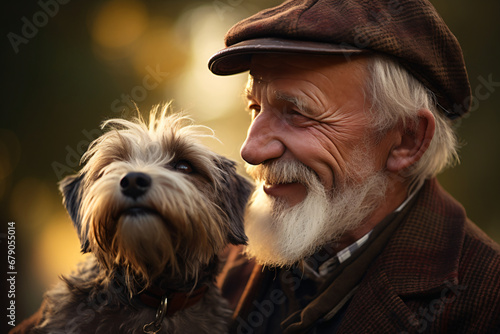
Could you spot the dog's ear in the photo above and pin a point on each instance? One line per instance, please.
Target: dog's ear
(70, 188)
(233, 198)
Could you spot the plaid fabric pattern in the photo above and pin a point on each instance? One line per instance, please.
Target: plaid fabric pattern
(329, 265)
(410, 31)
(346, 253)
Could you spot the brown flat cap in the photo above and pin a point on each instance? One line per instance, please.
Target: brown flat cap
(409, 31)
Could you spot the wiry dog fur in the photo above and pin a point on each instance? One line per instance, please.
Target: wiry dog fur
(153, 207)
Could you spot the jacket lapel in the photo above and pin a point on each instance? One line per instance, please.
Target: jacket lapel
(421, 259)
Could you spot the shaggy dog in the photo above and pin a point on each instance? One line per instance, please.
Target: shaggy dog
(153, 207)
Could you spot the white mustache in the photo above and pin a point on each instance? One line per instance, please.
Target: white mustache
(282, 171)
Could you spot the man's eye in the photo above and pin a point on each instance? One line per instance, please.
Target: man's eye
(184, 167)
(254, 110)
(298, 119)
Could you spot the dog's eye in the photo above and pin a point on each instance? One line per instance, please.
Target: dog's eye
(184, 167)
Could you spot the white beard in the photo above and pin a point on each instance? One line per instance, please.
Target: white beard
(279, 235)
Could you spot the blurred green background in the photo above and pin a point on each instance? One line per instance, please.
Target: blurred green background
(69, 65)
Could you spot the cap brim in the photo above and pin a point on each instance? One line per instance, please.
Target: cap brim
(236, 58)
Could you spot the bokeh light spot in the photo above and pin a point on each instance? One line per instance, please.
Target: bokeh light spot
(57, 249)
(160, 47)
(119, 23)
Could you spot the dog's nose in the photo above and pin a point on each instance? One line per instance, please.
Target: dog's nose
(135, 184)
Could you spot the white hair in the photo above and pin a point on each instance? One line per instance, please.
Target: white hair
(396, 96)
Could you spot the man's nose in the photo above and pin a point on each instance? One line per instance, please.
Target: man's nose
(263, 140)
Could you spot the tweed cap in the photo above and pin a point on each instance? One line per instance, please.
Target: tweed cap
(411, 32)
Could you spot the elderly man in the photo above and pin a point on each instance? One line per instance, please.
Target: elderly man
(352, 104)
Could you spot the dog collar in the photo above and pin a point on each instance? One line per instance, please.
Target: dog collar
(167, 303)
(154, 296)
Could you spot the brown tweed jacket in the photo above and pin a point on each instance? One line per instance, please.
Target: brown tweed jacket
(438, 273)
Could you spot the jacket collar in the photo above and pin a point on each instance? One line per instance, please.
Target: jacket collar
(423, 254)
(421, 258)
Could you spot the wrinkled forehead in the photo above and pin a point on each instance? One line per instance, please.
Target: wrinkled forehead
(332, 75)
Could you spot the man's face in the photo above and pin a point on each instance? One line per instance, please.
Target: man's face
(316, 157)
(310, 109)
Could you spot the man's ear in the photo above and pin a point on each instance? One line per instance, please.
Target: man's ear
(412, 143)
